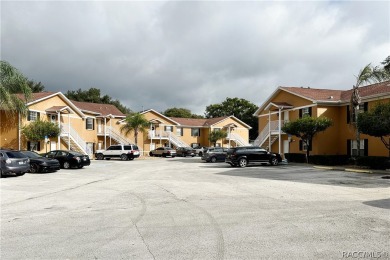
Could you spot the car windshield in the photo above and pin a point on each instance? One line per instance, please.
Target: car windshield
(135, 147)
(15, 155)
(31, 154)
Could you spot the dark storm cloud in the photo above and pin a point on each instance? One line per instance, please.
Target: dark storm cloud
(192, 54)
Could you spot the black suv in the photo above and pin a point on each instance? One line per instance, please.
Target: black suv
(244, 155)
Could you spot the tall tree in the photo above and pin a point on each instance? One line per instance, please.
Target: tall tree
(306, 128)
(93, 95)
(217, 135)
(13, 82)
(367, 75)
(376, 123)
(240, 108)
(180, 112)
(35, 87)
(136, 123)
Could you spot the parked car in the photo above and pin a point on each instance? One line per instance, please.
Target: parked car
(244, 155)
(185, 151)
(124, 152)
(163, 151)
(13, 163)
(69, 159)
(199, 150)
(215, 154)
(41, 164)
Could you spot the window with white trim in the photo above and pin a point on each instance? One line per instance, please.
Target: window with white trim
(305, 111)
(168, 128)
(179, 131)
(32, 116)
(89, 123)
(354, 150)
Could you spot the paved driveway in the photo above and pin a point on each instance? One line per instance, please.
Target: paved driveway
(182, 208)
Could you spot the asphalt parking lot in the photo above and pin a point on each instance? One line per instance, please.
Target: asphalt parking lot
(183, 208)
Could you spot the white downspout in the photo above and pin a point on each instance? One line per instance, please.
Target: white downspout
(59, 125)
(69, 131)
(269, 130)
(280, 126)
(105, 137)
(110, 130)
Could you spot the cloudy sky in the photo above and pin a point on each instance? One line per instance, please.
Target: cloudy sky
(155, 54)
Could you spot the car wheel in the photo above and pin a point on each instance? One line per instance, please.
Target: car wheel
(242, 162)
(184, 155)
(124, 157)
(213, 159)
(200, 154)
(150, 154)
(100, 156)
(34, 168)
(131, 158)
(274, 161)
(80, 166)
(66, 165)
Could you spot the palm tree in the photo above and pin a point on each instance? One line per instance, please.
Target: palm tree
(13, 82)
(368, 75)
(136, 123)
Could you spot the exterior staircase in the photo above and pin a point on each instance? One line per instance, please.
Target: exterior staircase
(70, 136)
(118, 137)
(176, 141)
(238, 139)
(271, 128)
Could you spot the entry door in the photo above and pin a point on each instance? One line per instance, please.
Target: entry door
(90, 149)
(286, 147)
(53, 145)
(286, 116)
(100, 126)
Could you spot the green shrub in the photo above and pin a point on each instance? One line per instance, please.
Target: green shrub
(329, 159)
(295, 157)
(374, 162)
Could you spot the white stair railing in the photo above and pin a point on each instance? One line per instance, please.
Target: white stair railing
(273, 127)
(67, 130)
(117, 136)
(238, 139)
(177, 141)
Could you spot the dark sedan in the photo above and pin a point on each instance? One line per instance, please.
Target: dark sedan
(185, 151)
(69, 159)
(41, 164)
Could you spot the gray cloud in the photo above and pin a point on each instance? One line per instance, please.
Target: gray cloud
(192, 54)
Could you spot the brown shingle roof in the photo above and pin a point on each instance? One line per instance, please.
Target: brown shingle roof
(340, 95)
(198, 122)
(37, 96)
(102, 109)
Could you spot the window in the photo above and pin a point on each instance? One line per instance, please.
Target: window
(354, 151)
(363, 107)
(168, 128)
(33, 146)
(89, 123)
(32, 116)
(306, 111)
(179, 131)
(195, 132)
(303, 146)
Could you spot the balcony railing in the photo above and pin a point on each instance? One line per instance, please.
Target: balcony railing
(272, 127)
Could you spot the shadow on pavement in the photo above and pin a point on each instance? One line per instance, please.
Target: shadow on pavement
(383, 204)
(310, 175)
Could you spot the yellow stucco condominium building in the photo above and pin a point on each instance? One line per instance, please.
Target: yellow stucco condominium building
(87, 127)
(290, 103)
